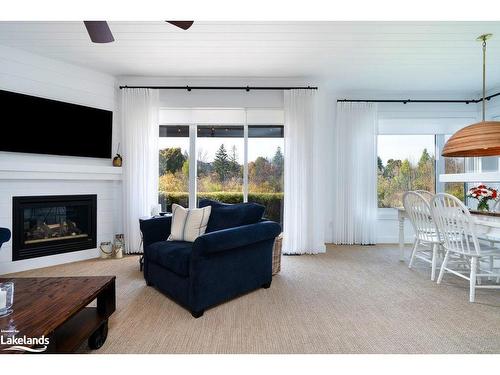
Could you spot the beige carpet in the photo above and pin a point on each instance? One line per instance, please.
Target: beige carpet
(351, 300)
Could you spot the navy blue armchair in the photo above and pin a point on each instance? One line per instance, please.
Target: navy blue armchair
(4, 235)
(233, 257)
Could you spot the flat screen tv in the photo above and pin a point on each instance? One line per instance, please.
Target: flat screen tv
(43, 126)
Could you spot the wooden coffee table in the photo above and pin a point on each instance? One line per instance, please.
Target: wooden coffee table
(57, 308)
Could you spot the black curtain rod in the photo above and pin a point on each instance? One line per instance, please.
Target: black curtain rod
(405, 101)
(246, 88)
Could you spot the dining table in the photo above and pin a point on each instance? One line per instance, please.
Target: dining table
(487, 226)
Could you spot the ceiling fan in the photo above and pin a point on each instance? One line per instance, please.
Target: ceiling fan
(100, 32)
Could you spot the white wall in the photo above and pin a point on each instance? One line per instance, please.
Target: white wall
(221, 99)
(31, 74)
(492, 106)
(27, 73)
(427, 115)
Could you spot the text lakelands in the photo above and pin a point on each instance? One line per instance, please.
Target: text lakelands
(24, 340)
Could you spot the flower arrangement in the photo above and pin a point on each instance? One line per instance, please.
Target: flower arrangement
(483, 194)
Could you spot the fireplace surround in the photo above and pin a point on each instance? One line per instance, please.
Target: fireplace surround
(56, 224)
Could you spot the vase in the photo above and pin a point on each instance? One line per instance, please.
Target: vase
(118, 246)
(6, 298)
(483, 205)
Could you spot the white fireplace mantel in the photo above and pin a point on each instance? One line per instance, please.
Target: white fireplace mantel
(10, 170)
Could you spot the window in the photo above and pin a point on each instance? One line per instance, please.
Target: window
(408, 162)
(265, 169)
(409, 151)
(220, 163)
(405, 162)
(234, 162)
(174, 166)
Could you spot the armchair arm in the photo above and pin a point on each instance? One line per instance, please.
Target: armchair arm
(232, 238)
(4, 235)
(155, 229)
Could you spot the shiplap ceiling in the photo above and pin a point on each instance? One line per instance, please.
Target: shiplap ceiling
(354, 55)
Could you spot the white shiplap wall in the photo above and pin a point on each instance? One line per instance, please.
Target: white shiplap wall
(24, 72)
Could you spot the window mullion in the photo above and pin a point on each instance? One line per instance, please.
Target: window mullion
(439, 163)
(192, 166)
(245, 159)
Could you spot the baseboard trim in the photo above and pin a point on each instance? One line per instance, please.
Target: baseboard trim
(48, 261)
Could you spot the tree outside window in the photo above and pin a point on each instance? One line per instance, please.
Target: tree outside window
(410, 168)
(407, 162)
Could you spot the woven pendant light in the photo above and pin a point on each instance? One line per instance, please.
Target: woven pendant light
(480, 139)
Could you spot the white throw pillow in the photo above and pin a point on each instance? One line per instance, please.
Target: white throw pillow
(188, 224)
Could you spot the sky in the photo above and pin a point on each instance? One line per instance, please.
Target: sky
(389, 146)
(404, 147)
(265, 147)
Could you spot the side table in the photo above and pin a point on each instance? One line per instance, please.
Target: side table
(141, 259)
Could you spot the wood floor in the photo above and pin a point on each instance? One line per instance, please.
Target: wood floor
(353, 299)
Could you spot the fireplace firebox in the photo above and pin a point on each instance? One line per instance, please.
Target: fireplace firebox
(49, 225)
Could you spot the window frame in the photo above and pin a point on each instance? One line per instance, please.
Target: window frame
(423, 120)
(193, 144)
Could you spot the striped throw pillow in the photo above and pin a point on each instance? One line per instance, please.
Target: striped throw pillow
(188, 224)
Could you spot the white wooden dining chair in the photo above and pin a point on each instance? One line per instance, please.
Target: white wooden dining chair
(427, 242)
(426, 194)
(457, 229)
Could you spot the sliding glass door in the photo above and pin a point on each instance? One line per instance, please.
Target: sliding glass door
(265, 169)
(233, 162)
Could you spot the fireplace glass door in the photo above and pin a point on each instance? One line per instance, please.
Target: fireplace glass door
(55, 223)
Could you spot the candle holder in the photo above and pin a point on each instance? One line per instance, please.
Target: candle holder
(6, 298)
(118, 246)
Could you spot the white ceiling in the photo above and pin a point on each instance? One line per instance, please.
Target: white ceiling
(403, 56)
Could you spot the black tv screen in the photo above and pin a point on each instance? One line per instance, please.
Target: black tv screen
(43, 126)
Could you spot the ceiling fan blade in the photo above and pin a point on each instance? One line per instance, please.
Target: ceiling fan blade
(99, 31)
(184, 25)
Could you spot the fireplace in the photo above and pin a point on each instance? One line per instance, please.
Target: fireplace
(49, 225)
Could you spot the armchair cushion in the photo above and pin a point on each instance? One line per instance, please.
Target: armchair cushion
(173, 255)
(224, 216)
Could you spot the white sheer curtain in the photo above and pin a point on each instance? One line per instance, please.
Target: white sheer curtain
(140, 160)
(355, 181)
(304, 224)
